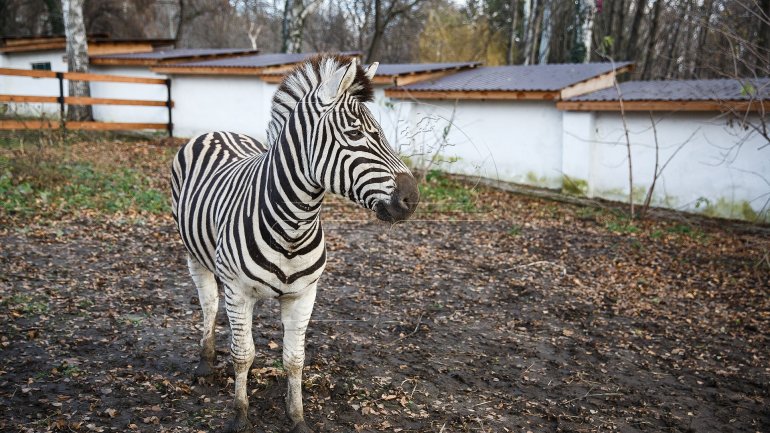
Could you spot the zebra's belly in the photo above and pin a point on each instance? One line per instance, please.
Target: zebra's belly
(270, 274)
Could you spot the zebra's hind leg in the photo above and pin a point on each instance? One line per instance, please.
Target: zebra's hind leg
(240, 309)
(208, 296)
(295, 315)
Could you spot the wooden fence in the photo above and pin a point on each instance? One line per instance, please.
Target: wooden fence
(63, 100)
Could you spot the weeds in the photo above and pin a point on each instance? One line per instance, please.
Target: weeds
(440, 193)
(22, 304)
(51, 179)
(515, 230)
(693, 233)
(621, 226)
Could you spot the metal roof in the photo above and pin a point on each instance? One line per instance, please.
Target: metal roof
(684, 90)
(176, 53)
(254, 60)
(549, 77)
(248, 61)
(388, 69)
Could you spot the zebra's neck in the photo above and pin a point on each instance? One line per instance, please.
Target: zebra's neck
(293, 198)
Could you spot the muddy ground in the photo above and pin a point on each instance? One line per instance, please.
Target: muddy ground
(538, 316)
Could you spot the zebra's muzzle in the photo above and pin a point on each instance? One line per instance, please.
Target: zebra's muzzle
(403, 201)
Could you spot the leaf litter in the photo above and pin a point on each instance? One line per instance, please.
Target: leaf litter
(449, 323)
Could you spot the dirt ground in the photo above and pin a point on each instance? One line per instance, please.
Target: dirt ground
(534, 316)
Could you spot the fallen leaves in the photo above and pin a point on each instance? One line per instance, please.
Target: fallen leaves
(562, 325)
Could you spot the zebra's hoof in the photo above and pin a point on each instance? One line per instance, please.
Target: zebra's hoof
(301, 427)
(204, 369)
(239, 424)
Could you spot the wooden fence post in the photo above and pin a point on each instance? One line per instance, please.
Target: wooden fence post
(60, 76)
(169, 105)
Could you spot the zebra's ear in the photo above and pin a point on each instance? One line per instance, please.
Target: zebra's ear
(371, 70)
(338, 83)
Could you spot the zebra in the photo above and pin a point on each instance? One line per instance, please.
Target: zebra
(248, 214)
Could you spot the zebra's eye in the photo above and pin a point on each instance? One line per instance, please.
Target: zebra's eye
(354, 134)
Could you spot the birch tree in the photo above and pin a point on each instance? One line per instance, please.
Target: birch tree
(295, 13)
(77, 56)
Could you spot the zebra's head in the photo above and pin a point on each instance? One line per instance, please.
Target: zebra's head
(347, 152)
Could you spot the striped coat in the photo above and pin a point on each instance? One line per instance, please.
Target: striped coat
(248, 214)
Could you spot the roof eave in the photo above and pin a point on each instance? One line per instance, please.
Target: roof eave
(127, 61)
(224, 70)
(705, 105)
(504, 95)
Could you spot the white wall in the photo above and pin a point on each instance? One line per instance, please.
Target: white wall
(716, 168)
(513, 141)
(12, 85)
(129, 113)
(50, 87)
(221, 103)
(393, 115)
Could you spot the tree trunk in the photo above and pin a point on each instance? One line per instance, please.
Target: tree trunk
(294, 14)
(588, 32)
(674, 44)
(536, 34)
(762, 66)
(528, 32)
(607, 21)
(702, 35)
(77, 56)
(671, 43)
(180, 26)
(633, 34)
(618, 30)
(55, 17)
(293, 41)
(647, 70)
(374, 44)
(510, 55)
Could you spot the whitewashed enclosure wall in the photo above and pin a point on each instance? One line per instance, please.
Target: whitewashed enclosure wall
(393, 115)
(32, 86)
(513, 141)
(221, 103)
(717, 168)
(128, 113)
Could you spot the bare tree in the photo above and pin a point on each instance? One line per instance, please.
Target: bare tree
(77, 56)
(385, 13)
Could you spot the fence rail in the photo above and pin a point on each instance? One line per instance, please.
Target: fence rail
(63, 100)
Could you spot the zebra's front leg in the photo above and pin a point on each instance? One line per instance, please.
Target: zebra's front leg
(295, 315)
(208, 295)
(240, 308)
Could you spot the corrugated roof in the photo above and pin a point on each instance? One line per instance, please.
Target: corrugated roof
(253, 61)
(177, 53)
(248, 61)
(388, 69)
(684, 90)
(550, 77)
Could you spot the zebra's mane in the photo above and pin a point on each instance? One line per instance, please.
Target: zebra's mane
(306, 77)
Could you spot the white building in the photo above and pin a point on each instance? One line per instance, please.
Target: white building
(235, 94)
(132, 58)
(710, 157)
(139, 64)
(499, 122)
(49, 53)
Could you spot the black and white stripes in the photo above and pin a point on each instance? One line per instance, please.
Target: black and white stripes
(248, 214)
